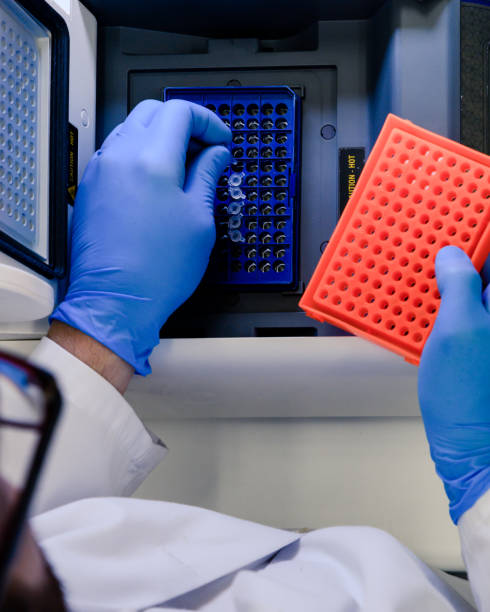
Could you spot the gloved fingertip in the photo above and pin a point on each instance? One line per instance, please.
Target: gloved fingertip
(449, 254)
(227, 136)
(206, 169)
(207, 126)
(454, 267)
(223, 155)
(216, 159)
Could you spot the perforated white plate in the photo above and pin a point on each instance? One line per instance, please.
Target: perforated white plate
(24, 127)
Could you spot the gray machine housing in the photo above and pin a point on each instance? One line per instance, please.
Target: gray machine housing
(399, 56)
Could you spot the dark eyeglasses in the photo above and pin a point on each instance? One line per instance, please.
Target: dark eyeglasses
(30, 404)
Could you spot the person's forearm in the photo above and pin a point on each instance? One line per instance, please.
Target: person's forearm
(101, 359)
(100, 447)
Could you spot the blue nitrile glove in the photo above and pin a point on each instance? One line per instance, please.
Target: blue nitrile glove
(454, 383)
(143, 226)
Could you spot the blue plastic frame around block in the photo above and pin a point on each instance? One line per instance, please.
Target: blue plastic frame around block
(257, 198)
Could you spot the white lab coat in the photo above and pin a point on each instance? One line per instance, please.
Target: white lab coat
(116, 553)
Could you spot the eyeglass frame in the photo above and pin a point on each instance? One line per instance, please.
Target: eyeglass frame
(51, 407)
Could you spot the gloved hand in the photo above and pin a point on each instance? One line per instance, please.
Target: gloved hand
(454, 383)
(143, 226)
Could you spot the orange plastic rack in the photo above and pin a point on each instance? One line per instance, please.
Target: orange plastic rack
(417, 193)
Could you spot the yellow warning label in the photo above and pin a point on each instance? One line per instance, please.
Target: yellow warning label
(72, 163)
(351, 162)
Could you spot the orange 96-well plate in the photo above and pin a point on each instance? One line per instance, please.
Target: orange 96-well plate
(418, 192)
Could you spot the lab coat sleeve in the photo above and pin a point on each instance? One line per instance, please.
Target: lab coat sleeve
(100, 447)
(474, 533)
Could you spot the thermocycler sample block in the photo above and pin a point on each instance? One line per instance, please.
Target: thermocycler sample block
(418, 192)
(257, 198)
